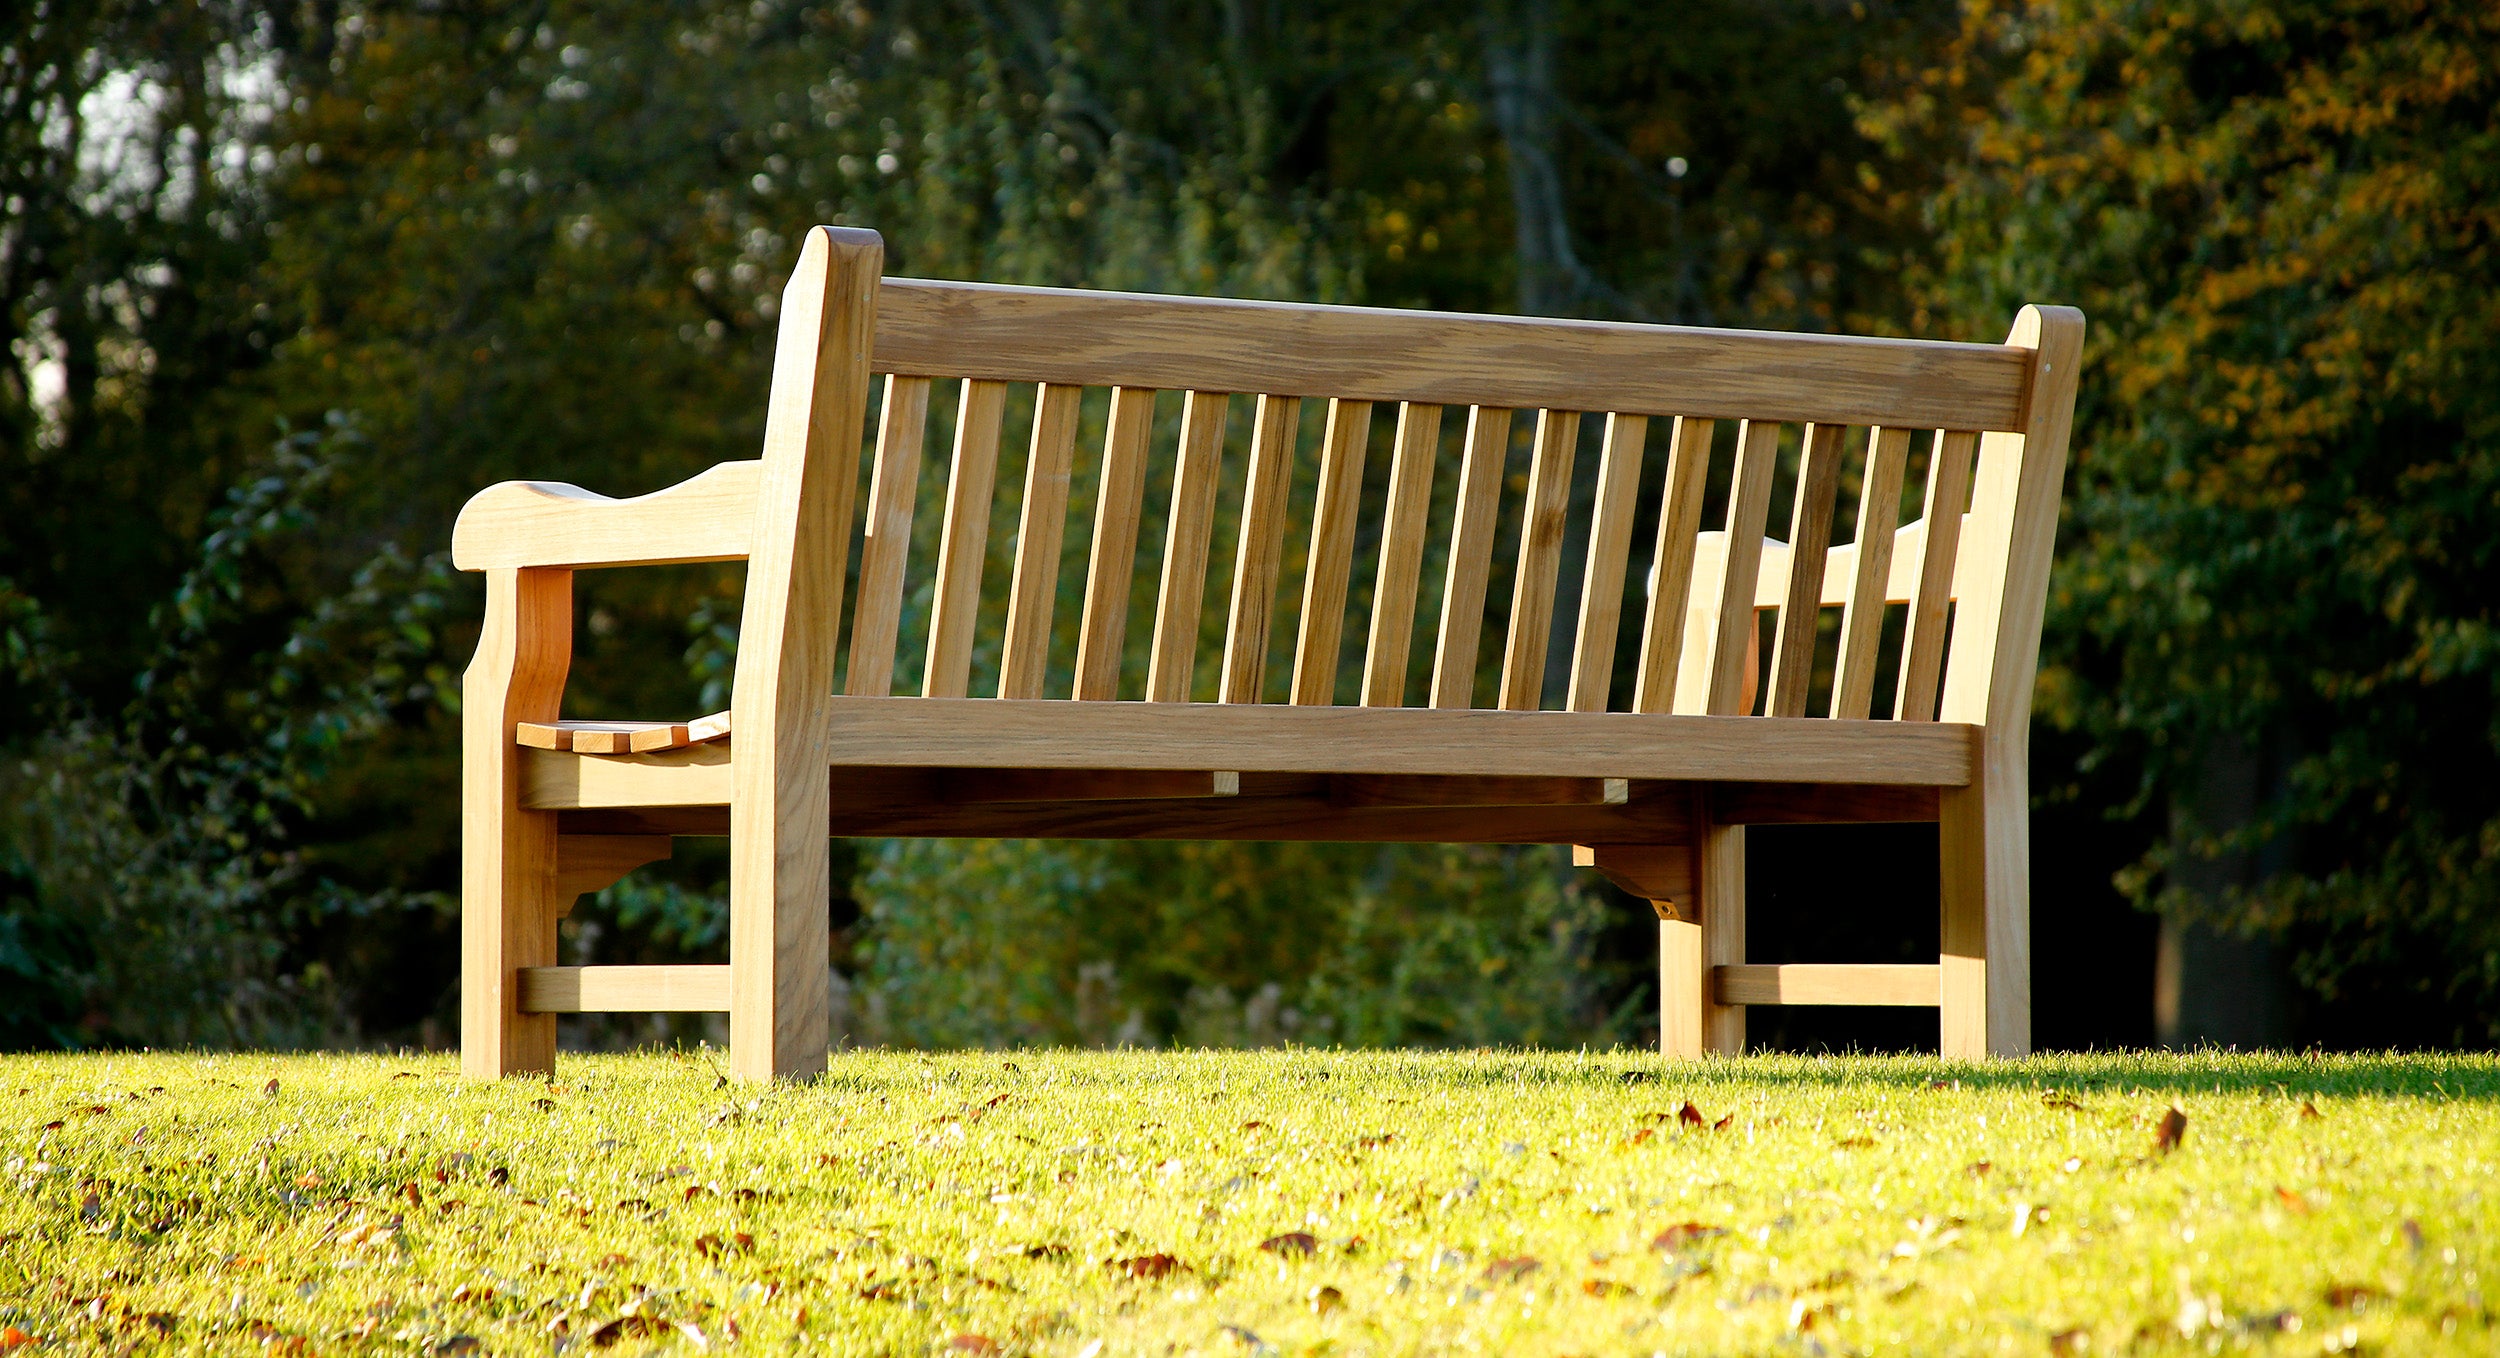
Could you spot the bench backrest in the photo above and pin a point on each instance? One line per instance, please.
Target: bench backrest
(1986, 422)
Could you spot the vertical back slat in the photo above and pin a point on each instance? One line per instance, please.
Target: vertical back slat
(1748, 510)
(1809, 547)
(1332, 552)
(1922, 650)
(1401, 555)
(1610, 547)
(964, 540)
(1256, 562)
(1183, 593)
(1114, 560)
(1862, 617)
(886, 542)
(1025, 658)
(1471, 557)
(1541, 523)
(1671, 581)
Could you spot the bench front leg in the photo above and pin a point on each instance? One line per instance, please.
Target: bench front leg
(1984, 835)
(509, 897)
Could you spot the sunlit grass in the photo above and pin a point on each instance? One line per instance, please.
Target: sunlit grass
(1233, 1203)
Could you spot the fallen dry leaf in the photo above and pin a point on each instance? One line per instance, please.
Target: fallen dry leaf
(270, 1089)
(13, 1337)
(2348, 1296)
(1682, 1234)
(2309, 1111)
(1691, 1116)
(1045, 1251)
(2173, 1130)
(973, 1343)
(2291, 1201)
(2070, 1341)
(1148, 1266)
(2062, 1102)
(1855, 1143)
(1291, 1242)
(1325, 1299)
(2413, 1234)
(1377, 1139)
(1979, 1169)
(1510, 1270)
(1253, 1125)
(1606, 1288)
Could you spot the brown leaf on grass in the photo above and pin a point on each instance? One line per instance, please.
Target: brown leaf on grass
(1640, 1077)
(972, 1343)
(2171, 1132)
(1724, 1123)
(271, 1088)
(163, 1322)
(1854, 1143)
(824, 1161)
(1683, 1234)
(2413, 1234)
(1291, 1242)
(14, 1338)
(1606, 1289)
(1375, 1140)
(1253, 1125)
(1510, 1270)
(543, 1105)
(1978, 1169)
(499, 1176)
(623, 1327)
(2351, 1296)
(2070, 1341)
(888, 1290)
(2292, 1202)
(1045, 1251)
(715, 1245)
(2309, 1111)
(407, 1075)
(1148, 1266)
(2061, 1102)
(1691, 1116)
(1640, 1136)
(458, 1343)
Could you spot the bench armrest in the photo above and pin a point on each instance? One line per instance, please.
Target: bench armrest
(709, 517)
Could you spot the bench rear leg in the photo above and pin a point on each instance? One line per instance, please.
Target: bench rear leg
(1985, 840)
(508, 891)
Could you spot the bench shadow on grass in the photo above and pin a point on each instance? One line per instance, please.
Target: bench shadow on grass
(2434, 1076)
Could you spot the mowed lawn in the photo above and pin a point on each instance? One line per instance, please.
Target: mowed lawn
(1246, 1203)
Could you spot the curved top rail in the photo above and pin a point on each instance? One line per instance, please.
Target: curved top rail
(1058, 335)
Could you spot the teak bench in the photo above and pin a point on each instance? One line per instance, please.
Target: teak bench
(1657, 796)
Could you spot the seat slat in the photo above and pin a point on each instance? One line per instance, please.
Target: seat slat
(1181, 598)
(1809, 542)
(964, 542)
(1862, 616)
(1471, 556)
(1105, 339)
(1322, 622)
(1672, 565)
(1610, 548)
(1401, 555)
(1731, 648)
(1262, 547)
(1542, 520)
(878, 612)
(1922, 650)
(1025, 658)
(1114, 559)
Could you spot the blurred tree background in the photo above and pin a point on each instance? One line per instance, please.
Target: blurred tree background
(284, 283)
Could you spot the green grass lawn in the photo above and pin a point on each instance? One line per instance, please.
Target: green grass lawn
(1244, 1203)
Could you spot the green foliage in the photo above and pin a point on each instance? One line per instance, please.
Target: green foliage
(2286, 489)
(162, 892)
(1003, 943)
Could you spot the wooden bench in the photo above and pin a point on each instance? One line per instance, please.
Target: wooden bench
(1655, 785)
